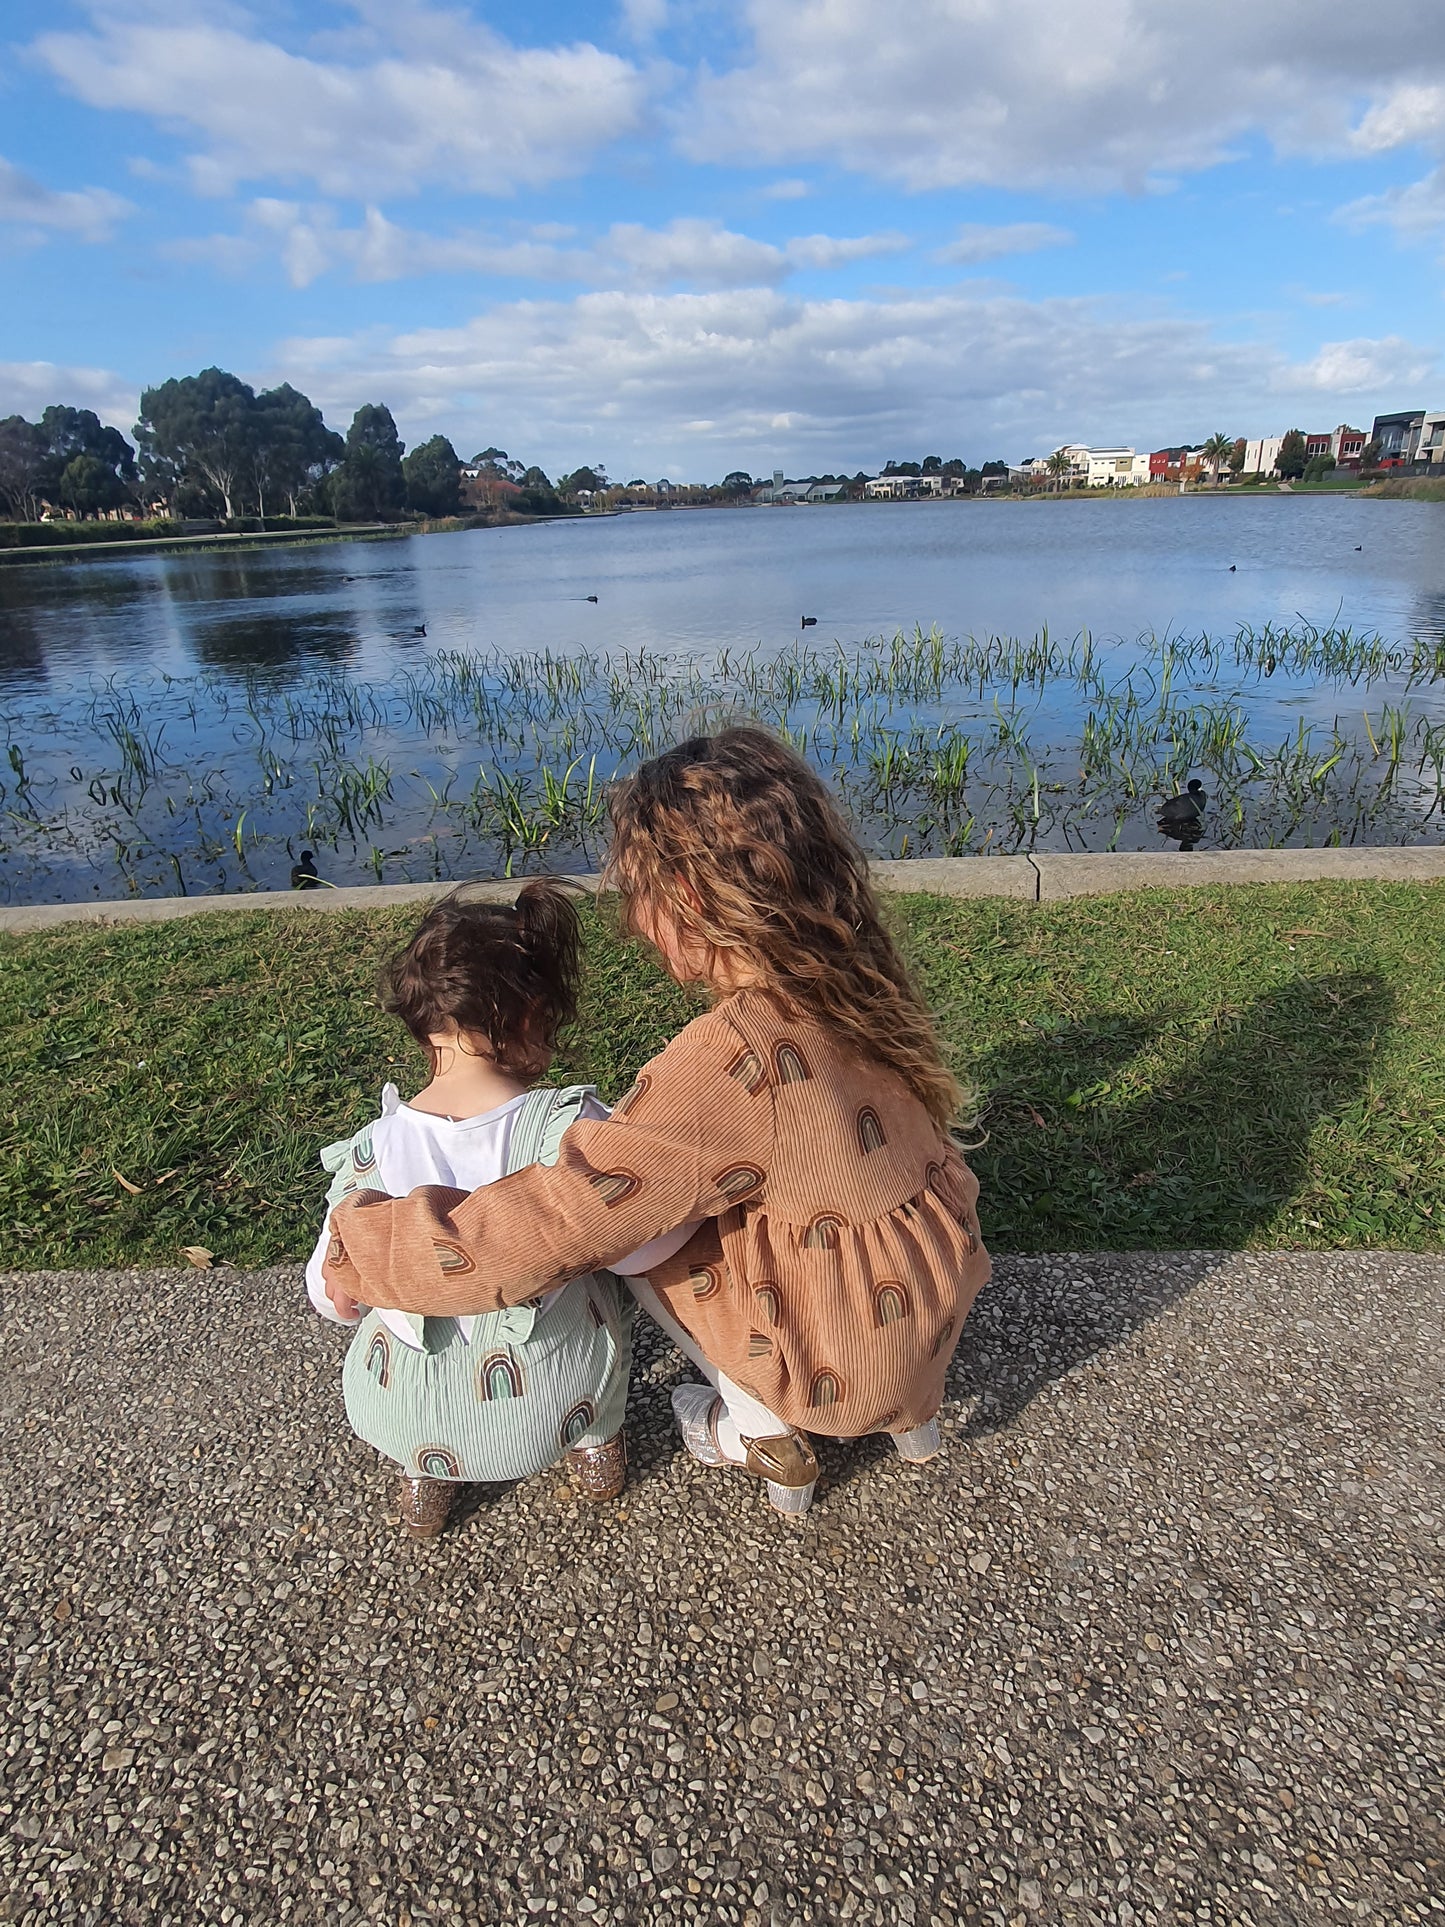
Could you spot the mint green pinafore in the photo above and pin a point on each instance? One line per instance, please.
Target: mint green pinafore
(531, 1382)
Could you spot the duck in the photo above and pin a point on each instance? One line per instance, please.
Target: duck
(1359, 547)
(1232, 567)
(1183, 814)
(303, 874)
(420, 629)
(807, 622)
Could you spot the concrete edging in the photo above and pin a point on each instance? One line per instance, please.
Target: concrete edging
(1031, 879)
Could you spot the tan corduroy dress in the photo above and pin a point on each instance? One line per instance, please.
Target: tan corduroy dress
(841, 1248)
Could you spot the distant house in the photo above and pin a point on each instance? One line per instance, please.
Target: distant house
(1117, 468)
(1260, 456)
(892, 488)
(1430, 446)
(1398, 435)
(1343, 445)
(1181, 464)
(1031, 473)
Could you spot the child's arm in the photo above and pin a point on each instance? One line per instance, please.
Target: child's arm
(692, 1139)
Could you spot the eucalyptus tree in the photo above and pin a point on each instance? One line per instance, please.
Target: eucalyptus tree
(202, 426)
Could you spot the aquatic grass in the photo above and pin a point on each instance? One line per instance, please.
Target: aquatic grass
(989, 743)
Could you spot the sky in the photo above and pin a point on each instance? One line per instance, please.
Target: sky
(680, 237)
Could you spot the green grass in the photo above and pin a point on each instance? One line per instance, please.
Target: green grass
(1212, 1068)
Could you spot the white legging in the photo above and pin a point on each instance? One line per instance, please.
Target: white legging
(746, 1418)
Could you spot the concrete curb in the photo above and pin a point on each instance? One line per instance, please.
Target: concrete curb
(1029, 879)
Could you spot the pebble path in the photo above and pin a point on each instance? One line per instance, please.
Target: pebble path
(1157, 1640)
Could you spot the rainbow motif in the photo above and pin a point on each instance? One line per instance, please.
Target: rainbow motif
(579, 1420)
(378, 1358)
(500, 1376)
(890, 1302)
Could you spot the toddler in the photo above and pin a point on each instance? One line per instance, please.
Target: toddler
(484, 989)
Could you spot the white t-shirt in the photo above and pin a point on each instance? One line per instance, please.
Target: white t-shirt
(413, 1148)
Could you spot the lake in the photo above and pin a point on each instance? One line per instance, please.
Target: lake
(450, 705)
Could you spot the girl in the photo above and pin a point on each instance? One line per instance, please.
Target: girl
(484, 989)
(804, 1119)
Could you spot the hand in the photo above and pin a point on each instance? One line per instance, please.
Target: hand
(347, 1308)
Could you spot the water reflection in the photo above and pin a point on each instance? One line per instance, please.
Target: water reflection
(253, 639)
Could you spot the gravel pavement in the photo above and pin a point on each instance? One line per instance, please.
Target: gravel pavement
(1157, 1640)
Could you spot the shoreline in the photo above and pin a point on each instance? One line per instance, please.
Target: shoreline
(27, 555)
(1043, 877)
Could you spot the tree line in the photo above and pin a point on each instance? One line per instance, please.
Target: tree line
(208, 445)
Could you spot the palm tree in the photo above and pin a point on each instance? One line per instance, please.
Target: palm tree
(1217, 451)
(1061, 466)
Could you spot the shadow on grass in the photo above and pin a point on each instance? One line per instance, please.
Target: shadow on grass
(1087, 1153)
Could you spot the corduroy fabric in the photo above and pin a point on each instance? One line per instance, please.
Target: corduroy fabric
(841, 1249)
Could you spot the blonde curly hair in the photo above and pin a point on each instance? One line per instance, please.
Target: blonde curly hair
(740, 845)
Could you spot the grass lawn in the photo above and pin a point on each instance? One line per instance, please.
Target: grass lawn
(1211, 1068)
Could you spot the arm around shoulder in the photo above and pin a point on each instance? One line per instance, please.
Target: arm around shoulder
(693, 1137)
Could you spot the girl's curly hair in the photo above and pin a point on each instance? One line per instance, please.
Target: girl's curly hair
(742, 845)
(505, 973)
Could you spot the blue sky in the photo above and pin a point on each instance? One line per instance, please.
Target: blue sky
(681, 236)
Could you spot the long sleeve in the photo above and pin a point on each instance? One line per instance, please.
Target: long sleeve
(691, 1139)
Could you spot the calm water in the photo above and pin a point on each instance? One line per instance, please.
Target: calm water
(190, 722)
(708, 580)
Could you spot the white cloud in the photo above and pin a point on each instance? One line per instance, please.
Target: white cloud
(29, 387)
(644, 19)
(310, 242)
(790, 190)
(88, 213)
(1368, 367)
(1416, 212)
(976, 242)
(1032, 93)
(747, 377)
(830, 251)
(418, 96)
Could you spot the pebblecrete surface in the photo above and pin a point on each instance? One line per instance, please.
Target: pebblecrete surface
(1157, 1640)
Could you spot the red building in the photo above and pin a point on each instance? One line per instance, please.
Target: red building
(1175, 464)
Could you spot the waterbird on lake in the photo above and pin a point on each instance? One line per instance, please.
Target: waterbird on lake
(420, 629)
(1232, 568)
(1180, 814)
(1358, 547)
(807, 622)
(303, 874)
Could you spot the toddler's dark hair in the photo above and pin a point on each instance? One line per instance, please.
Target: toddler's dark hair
(508, 973)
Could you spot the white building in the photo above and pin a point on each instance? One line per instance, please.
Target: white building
(891, 488)
(1261, 456)
(1431, 445)
(1115, 467)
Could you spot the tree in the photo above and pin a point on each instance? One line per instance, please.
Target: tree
(90, 486)
(74, 434)
(591, 480)
(737, 482)
(204, 426)
(370, 485)
(1370, 455)
(1216, 452)
(24, 466)
(497, 463)
(1060, 466)
(292, 449)
(1319, 466)
(991, 469)
(932, 464)
(1290, 461)
(433, 478)
(1236, 456)
(538, 496)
